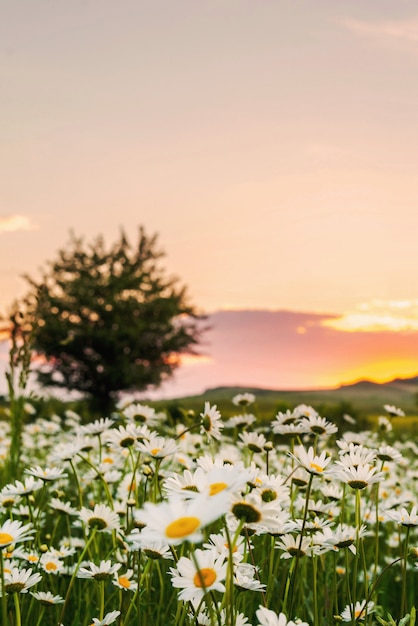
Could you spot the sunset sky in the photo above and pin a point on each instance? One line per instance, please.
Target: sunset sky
(273, 145)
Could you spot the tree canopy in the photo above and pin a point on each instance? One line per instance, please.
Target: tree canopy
(106, 320)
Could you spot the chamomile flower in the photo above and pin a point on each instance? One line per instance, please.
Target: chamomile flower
(313, 463)
(102, 518)
(272, 487)
(23, 488)
(360, 476)
(105, 569)
(358, 611)
(184, 485)
(211, 421)
(140, 413)
(176, 521)
(256, 514)
(393, 410)
(12, 532)
(295, 546)
(122, 437)
(287, 424)
(20, 580)
(255, 442)
(403, 517)
(195, 577)
(47, 474)
(245, 577)
(243, 399)
(51, 564)
(152, 548)
(232, 478)
(219, 542)
(318, 425)
(109, 618)
(62, 507)
(125, 582)
(97, 427)
(246, 419)
(47, 598)
(343, 536)
(267, 617)
(203, 619)
(158, 447)
(387, 453)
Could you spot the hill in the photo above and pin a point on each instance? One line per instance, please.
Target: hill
(362, 398)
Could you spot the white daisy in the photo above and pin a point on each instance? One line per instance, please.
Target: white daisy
(20, 580)
(266, 617)
(243, 399)
(102, 518)
(47, 598)
(358, 611)
(313, 463)
(403, 517)
(158, 447)
(12, 532)
(176, 521)
(359, 477)
(97, 427)
(255, 442)
(197, 577)
(109, 618)
(393, 410)
(50, 563)
(211, 421)
(125, 582)
(104, 570)
(293, 546)
(47, 474)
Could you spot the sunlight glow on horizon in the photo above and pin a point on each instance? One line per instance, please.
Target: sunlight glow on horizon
(378, 316)
(376, 371)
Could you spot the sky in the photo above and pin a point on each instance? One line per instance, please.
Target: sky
(271, 145)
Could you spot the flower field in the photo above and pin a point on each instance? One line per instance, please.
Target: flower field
(133, 519)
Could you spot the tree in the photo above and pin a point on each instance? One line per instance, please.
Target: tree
(109, 320)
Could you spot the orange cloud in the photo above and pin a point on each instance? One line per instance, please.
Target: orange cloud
(406, 30)
(12, 223)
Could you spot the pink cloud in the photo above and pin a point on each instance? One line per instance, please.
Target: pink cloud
(406, 30)
(12, 223)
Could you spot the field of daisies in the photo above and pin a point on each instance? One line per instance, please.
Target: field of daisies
(132, 519)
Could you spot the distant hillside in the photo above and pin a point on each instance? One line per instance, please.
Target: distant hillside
(365, 397)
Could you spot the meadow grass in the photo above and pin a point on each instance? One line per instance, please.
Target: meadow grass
(139, 518)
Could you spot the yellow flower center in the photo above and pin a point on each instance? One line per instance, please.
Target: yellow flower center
(50, 566)
(108, 460)
(182, 527)
(5, 538)
(124, 582)
(32, 558)
(216, 488)
(316, 467)
(155, 451)
(204, 577)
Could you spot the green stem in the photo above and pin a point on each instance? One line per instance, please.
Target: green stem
(356, 557)
(3, 595)
(404, 568)
(17, 609)
(302, 532)
(80, 496)
(315, 589)
(102, 599)
(73, 577)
